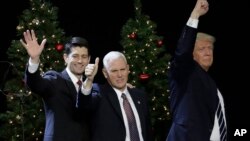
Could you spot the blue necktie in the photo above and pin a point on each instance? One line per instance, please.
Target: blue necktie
(222, 124)
(134, 135)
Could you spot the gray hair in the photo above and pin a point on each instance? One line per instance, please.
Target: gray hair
(111, 56)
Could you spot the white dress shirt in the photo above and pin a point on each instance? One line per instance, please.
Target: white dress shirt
(215, 136)
(138, 123)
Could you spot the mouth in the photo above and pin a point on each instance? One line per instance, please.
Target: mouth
(120, 81)
(80, 67)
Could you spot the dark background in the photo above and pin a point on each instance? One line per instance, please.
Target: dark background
(100, 21)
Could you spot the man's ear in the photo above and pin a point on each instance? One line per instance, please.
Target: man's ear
(128, 68)
(65, 57)
(89, 59)
(104, 72)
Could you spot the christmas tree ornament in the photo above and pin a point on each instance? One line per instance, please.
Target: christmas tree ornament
(159, 43)
(133, 35)
(59, 47)
(144, 77)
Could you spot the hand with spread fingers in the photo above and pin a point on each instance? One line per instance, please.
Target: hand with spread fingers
(31, 45)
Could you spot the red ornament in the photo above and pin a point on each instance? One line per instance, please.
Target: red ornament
(144, 77)
(59, 47)
(159, 43)
(132, 35)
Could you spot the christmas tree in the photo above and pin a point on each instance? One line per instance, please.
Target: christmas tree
(149, 63)
(24, 118)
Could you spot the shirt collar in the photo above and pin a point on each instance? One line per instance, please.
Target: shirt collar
(72, 76)
(119, 93)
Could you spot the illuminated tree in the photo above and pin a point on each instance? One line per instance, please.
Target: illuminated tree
(24, 118)
(149, 63)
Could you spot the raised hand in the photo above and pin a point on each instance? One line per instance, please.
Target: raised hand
(201, 8)
(31, 45)
(91, 70)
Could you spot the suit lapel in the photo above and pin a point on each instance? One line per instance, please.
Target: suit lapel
(113, 99)
(138, 105)
(69, 84)
(135, 98)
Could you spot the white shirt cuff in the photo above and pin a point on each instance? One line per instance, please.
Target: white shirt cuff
(32, 68)
(86, 91)
(192, 22)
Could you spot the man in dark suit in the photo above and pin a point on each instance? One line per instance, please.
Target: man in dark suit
(65, 121)
(109, 117)
(195, 99)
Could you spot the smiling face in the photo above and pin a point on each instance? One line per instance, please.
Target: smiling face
(77, 60)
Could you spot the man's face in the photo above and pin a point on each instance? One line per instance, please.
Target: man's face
(203, 53)
(116, 73)
(77, 60)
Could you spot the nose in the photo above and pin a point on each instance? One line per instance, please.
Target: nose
(208, 51)
(79, 60)
(119, 73)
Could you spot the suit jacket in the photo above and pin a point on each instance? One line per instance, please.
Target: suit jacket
(193, 98)
(107, 124)
(64, 122)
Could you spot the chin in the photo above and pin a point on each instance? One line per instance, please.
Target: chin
(121, 86)
(79, 73)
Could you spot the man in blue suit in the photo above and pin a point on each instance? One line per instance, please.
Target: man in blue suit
(65, 120)
(195, 99)
(110, 121)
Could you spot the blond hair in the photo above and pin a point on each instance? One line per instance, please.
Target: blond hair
(205, 36)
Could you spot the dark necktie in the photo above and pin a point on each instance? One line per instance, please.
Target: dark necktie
(222, 124)
(79, 82)
(134, 135)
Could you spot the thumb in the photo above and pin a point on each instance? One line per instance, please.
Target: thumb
(43, 42)
(96, 64)
(97, 61)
